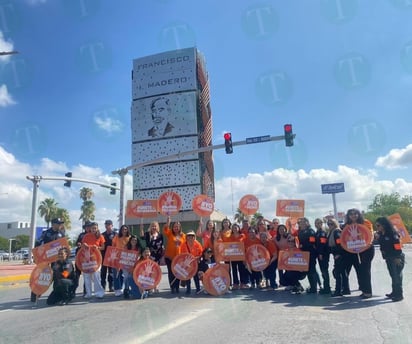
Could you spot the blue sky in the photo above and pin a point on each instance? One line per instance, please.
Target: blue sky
(339, 71)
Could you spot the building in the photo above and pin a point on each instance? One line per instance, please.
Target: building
(171, 113)
(10, 230)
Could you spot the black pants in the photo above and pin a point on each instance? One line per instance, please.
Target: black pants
(324, 270)
(395, 266)
(106, 272)
(365, 275)
(63, 291)
(173, 281)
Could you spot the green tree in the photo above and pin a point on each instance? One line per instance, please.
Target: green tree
(239, 216)
(22, 240)
(88, 207)
(48, 210)
(385, 205)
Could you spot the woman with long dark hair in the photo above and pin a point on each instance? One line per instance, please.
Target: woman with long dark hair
(362, 262)
(390, 246)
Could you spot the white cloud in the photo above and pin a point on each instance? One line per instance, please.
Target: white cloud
(396, 158)
(5, 46)
(5, 98)
(109, 125)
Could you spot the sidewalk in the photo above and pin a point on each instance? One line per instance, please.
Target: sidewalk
(13, 272)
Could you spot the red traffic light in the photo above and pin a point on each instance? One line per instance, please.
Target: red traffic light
(288, 128)
(227, 136)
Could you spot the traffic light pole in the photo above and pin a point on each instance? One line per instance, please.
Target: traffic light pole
(36, 184)
(122, 172)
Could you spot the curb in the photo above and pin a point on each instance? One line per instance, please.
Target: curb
(16, 278)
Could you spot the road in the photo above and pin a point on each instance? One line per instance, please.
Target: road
(237, 317)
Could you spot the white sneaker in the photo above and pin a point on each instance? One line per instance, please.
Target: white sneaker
(87, 296)
(118, 292)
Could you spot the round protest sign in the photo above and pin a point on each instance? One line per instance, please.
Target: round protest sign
(169, 203)
(202, 205)
(40, 279)
(184, 266)
(89, 259)
(258, 257)
(249, 204)
(216, 280)
(147, 274)
(356, 238)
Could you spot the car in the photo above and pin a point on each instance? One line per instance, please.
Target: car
(20, 254)
(4, 255)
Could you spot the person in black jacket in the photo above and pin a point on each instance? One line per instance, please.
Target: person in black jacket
(340, 262)
(307, 242)
(322, 251)
(64, 279)
(56, 231)
(390, 246)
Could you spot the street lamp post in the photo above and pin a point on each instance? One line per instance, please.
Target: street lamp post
(10, 241)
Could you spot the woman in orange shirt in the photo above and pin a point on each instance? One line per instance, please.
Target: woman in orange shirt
(206, 233)
(120, 241)
(239, 271)
(194, 247)
(175, 237)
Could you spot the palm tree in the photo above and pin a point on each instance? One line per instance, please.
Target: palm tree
(239, 216)
(48, 210)
(88, 207)
(64, 215)
(86, 194)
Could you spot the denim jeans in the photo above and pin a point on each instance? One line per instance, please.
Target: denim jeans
(395, 266)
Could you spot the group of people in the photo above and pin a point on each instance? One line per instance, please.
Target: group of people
(320, 243)
(165, 245)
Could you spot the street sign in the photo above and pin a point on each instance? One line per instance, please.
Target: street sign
(258, 139)
(333, 188)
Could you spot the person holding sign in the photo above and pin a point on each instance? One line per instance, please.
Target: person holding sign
(205, 233)
(270, 272)
(361, 261)
(175, 237)
(322, 252)
(154, 240)
(64, 279)
(339, 256)
(56, 231)
(194, 247)
(307, 242)
(391, 249)
(255, 277)
(120, 241)
(93, 239)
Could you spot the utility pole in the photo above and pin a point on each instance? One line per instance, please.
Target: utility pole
(122, 172)
(36, 183)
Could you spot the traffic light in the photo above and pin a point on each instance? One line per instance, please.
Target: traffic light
(228, 143)
(288, 135)
(113, 190)
(68, 183)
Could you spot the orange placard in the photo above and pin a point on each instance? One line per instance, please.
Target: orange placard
(47, 253)
(141, 208)
(120, 259)
(40, 279)
(397, 222)
(89, 259)
(203, 205)
(216, 280)
(229, 251)
(249, 204)
(293, 260)
(356, 238)
(257, 257)
(290, 207)
(169, 203)
(147, 274)
(184, 266)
